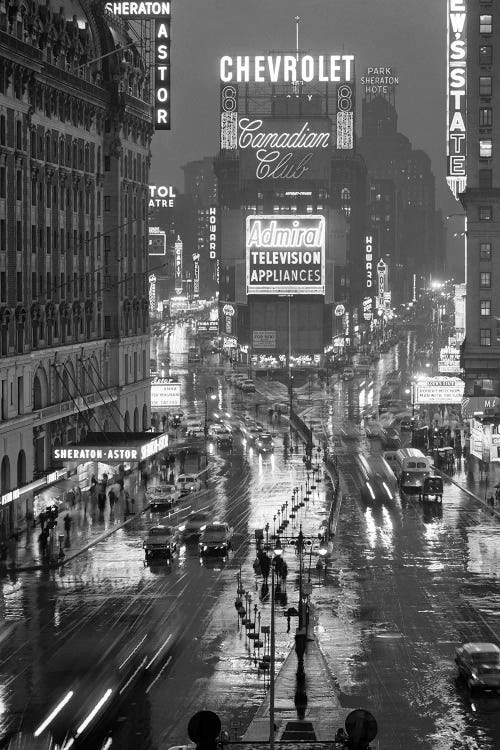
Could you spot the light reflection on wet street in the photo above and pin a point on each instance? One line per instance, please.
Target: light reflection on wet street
(406, 584)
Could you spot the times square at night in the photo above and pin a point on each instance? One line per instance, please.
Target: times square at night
(249, 366)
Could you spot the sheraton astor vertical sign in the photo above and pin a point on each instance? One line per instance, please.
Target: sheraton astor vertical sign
(285, 254)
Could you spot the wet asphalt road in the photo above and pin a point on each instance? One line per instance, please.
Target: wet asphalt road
(405, 585)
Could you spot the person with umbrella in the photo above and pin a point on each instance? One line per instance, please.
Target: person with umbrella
(497, 493)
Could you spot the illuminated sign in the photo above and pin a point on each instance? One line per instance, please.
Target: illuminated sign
(162, 74)
(152, 291)
(345, 116)
(439, 390)
(196, 274)
(379, 80)
(477, 405)
(139, 10)
(339, 310)
(165, 394)
(286, 68)
(9, 497)
(369, 261)
(264, 339)
(228, 117)
(367, 308)
(269, 149)
(212, 237)
(161, 196)
(110, 454)
(157, 242)
(178, 265)
(449, 359)
(285, 254)
(228, 310)
(381, 274)
(456, 89)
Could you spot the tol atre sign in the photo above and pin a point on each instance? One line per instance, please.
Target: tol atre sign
(285, 254)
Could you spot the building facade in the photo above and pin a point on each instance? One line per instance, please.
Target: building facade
(480, 195)
(75, 131)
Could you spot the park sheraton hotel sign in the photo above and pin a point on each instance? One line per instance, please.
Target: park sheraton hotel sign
(285, 254)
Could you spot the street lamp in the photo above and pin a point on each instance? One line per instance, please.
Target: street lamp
(209, 394)
(277, 552)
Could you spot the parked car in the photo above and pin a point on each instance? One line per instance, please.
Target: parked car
(265, 443)
(162, 496)
(347, 373)
(161, 541)
(479, 665)
(247, 386)
(194, 524)
(187, 483)
(216, 538)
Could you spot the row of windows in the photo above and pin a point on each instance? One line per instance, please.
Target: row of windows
(68, 286)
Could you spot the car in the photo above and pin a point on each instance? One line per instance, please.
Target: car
(187, 483)
(406, 424)
(194, 428)
(432, 487)
(347, 373)
(161, 541)
(479, 665)
(222, 436)
(216, 539)
(236, 376)
(247, 386)
(252, 433)
(281, 407)
(162, 496)
(194, 524)
(265, 443)
(391, 439)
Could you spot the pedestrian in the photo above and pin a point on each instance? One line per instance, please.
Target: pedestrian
(145, 477)
(112, 500)
(101, 501)
(42, 518)
(182, 460)
(171, 479)
(42, 540)
(67, 525)
(491, 501)
(126, 495)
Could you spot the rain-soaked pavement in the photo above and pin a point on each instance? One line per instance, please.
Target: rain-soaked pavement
(405, 585)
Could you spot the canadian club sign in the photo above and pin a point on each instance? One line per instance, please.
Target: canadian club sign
(291, 149)
(285, 254)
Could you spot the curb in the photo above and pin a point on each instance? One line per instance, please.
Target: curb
(66, 559)
(467, 492)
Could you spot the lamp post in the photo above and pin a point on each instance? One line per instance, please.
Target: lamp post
(277, 552)
(209, 393)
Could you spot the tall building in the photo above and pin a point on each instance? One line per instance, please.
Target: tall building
(389, 155)
(474, 177)
(75, 130)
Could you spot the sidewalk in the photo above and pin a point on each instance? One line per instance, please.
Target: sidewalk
(88, 526)
(324, 711)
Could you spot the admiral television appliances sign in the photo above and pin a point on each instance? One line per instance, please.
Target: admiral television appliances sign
(285, 254)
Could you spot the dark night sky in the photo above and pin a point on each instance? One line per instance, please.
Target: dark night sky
(409, 35)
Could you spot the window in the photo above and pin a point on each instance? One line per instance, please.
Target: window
(107, 203)
(485, 148)
(485, 24)
(485, 308)
(485, 86)
(107, 163)
(19, 185)
(485, 213)
(19, 286)
(485, 117)
(485, 280)
(485, 251)
(486, 54)
(19, 236)
(484, 337)
(33, 238)
(2, 182)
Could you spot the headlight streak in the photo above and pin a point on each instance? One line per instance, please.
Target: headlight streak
(133, 651)
(43, 726)
(83, 726)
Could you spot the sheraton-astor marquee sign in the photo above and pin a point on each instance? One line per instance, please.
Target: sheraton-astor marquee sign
(285, 254)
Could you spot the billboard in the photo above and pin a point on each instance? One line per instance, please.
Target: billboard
(456, 96)
(449, 359)
(285, 254)
(438, 390)
(157, 241)
(286, 68)
(165, 394)
(264, 340)
(274, 148)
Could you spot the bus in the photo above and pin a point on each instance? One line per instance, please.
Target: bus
(411, 467)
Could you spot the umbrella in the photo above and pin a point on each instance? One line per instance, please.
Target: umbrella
(497, 485)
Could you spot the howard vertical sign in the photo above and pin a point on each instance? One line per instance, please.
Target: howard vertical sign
(456, 140)
(285, 254)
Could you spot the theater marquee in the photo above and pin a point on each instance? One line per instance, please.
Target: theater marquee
(285, 255)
